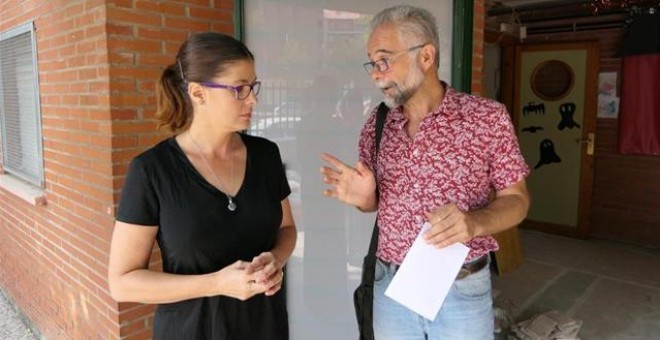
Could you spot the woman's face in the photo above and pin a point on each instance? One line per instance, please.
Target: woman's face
(221, 105)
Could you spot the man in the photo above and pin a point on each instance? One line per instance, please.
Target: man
(441, 156)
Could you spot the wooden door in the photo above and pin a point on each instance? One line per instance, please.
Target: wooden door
(554, 111)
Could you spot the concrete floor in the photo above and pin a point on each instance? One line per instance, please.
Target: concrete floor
(613, 288)
(12, 323)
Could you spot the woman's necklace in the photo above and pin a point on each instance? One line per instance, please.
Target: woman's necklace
(231, 206)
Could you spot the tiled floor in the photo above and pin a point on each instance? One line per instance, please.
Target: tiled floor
(613, 288)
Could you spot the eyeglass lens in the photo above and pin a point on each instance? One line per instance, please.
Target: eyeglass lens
(380, 65)
(243, 91)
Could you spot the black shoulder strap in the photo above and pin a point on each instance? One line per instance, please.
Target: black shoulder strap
(381, 115)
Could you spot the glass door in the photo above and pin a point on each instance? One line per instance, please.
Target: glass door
(314, 98)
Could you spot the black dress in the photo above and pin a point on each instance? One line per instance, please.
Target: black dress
(198, 235)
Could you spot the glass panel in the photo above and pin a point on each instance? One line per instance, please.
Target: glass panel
(314, 98)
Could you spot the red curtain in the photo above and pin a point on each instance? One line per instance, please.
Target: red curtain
(639, 112)
(639, 117)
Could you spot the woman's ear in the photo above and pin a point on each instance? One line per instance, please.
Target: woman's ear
(196, 93)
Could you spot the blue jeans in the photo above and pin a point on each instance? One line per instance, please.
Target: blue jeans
(466, 314)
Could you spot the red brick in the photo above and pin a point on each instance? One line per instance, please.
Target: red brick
(215, 15)
(126, 16)
(186, 23)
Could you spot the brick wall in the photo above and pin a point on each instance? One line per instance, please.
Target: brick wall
(625, 204)
(54, 257)
(478, 25)
(143, 37)
(98, 62)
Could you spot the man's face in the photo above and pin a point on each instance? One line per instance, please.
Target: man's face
(404, 75)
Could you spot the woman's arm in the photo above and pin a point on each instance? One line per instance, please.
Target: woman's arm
(130, 279)
(270, 264)
(287, 235)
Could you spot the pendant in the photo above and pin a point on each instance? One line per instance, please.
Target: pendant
(231, 206)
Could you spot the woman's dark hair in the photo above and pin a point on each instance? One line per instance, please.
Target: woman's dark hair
(202, 57)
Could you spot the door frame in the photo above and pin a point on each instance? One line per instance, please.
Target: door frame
(511, 70)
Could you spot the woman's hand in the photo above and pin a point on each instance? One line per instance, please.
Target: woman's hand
(238, 280)
(268, 273)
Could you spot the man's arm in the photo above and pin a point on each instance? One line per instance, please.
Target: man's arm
(508, 209)
(450, 225)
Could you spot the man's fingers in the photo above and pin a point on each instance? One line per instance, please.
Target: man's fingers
(444, 238)
(332, 176)
(447, 241)
(330, 193)
(435, 230)
(328, 171)
(335, 162)
(330, 180)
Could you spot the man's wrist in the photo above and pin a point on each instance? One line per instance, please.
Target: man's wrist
(369, 206)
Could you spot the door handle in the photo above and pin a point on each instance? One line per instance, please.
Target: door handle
(590, 141)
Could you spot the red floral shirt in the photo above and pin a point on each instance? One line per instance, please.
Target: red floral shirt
(461, 151)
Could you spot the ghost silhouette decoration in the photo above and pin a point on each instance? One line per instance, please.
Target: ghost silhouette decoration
(566, 111)
(548, 154)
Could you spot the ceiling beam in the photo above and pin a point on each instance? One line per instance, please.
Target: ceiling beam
(499, 10)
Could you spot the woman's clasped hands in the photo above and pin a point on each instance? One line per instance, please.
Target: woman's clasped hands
(243, 280)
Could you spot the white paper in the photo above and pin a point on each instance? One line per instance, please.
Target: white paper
(426, 275)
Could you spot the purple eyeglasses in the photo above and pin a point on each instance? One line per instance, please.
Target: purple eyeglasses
(241, 91)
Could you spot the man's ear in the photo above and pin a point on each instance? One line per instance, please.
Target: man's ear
(196, 93)
(427, 56)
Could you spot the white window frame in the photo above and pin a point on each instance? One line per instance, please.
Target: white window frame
(30, 168)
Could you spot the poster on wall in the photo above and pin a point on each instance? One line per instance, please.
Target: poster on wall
(608, 102)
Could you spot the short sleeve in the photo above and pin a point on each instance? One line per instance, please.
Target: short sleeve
(366, 144)
(507, 165)
(139, 202)
(284, 188)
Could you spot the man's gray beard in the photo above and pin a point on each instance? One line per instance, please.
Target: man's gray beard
(402, 95)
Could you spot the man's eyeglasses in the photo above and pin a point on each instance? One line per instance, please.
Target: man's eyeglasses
(383, 64)
(241, 91)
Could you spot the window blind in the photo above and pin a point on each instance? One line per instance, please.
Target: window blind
(19, 106)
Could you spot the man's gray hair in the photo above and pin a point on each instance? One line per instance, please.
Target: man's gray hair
(416, 26)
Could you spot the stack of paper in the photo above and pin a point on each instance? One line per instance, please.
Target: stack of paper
(548, 326)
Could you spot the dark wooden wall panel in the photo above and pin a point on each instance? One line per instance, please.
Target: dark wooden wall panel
(625, 204)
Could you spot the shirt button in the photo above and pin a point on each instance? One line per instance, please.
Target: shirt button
(416, 153)
(416, 185)
(418, 219)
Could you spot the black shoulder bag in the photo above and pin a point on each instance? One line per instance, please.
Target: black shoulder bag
(363, 297)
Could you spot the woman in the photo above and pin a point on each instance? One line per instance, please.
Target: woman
(214, 199)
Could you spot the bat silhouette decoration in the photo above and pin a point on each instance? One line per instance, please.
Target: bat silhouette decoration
(532, 129)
